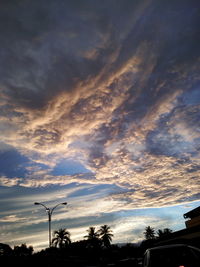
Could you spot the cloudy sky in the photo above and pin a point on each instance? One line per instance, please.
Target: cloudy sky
(99, 107)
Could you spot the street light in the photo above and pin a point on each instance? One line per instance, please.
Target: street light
(49, 212)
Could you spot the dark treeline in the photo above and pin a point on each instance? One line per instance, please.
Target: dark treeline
(94, 250)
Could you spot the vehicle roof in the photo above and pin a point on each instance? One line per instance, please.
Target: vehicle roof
(169, 246)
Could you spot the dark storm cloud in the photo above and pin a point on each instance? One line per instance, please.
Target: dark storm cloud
(172, 36)
(43, 46)
(44, 60)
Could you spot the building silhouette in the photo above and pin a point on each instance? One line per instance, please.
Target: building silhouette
(193, 217)
(189, 235)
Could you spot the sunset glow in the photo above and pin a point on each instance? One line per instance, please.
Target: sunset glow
(99, 108)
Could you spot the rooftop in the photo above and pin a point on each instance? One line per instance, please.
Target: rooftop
(193, 213)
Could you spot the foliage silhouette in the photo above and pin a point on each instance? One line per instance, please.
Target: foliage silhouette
(149, 233)
(93, 238)
(94, 250)
(164, 232)
(23, 250)
(105, 234)
(5, 250)
(62, 238)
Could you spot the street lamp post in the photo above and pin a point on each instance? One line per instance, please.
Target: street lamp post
(49, 212)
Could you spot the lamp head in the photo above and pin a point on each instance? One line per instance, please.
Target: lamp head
(64, 203)
(36, 203)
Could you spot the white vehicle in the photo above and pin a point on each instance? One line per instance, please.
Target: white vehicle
(179, 255)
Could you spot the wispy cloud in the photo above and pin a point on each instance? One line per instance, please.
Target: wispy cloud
(12, 219)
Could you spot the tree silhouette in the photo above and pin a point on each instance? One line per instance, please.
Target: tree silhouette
(149, 233)
(61, 238)
(106, 235)
(23, 250)
(5, 249)
(92, 234)
(92, 237)
(164, 232)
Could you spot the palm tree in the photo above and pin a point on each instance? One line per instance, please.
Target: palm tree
(61, 238)
(92, 237)
(92, 234)
(149, 233)
(105, 235)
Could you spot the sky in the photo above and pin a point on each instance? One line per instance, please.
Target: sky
(99, 107)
